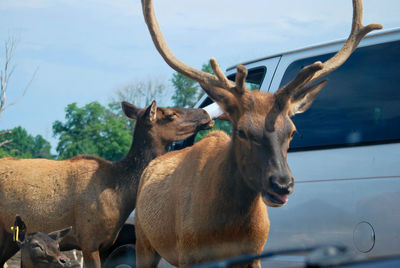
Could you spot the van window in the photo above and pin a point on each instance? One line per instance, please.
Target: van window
(359, 105)
(254, 78)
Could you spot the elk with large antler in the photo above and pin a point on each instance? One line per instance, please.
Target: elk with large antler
(93, 195)
(208, 201)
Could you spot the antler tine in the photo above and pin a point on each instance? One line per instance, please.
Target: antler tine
(240, 80)
(302, 78)
(203, 78)
(358, 31)
(220, 74)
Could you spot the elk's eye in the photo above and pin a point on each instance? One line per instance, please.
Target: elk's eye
(171, 116)
(241, 134)
(293, 133)
(36, 245)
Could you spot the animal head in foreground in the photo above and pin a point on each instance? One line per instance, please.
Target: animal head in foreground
(261, 122)
(40, 249)
(166, 125)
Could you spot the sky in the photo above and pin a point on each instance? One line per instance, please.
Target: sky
(84, 50)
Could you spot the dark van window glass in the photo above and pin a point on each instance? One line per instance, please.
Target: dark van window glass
(254, 78)
(360, 103)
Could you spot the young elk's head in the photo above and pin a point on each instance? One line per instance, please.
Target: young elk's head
(166, 125)
(262, 128)
(40, 249)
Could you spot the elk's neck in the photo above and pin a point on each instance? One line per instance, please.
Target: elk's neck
(144, 148)
(232, 190)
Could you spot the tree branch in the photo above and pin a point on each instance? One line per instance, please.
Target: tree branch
(5, 142)
(5, 74)
(6, 132)
(25, 89)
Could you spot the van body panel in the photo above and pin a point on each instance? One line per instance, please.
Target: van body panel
(336, 190)
(360, 162)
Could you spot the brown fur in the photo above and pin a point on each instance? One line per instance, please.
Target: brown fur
(40, 250)
(241, 215)
(93, 195)
(198, 205)
(208, 202)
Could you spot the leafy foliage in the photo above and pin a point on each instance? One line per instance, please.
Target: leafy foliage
(187, 91)
(24, 145)
(219, 125)
(92, 129)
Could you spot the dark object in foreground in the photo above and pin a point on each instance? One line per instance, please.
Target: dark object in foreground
(315, 257)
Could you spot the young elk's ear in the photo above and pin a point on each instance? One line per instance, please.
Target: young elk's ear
(151, 112)
(304, 97)
(19, 230)
(130, 110)
(60, 234)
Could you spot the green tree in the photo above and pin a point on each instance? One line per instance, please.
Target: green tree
(20, 144)
(92, 129)
(219, 125)
(187, 91)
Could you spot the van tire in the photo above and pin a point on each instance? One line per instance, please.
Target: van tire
(122, 257)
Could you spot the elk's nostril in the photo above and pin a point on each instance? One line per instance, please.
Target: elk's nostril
(273, 182)
(281, 185)
(63, 261)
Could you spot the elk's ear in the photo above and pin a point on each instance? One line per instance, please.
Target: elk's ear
(130, 110)
(60, 234)
(304, 97)
(19, 231)
(225, 99)
(151, 112)
(224, 117)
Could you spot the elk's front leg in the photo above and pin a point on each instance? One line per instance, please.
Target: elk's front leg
(91, 259)
(146, 256)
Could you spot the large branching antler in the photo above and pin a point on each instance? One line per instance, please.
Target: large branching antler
(312, 72)
(216, 85)
(218, 81)
(358, 32)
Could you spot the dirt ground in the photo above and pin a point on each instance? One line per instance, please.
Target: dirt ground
(15, 262)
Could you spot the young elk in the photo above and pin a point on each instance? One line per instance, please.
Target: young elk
(208, 201)
(91, 194)
(40, 250)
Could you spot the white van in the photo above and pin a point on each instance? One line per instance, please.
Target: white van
(346, 155)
